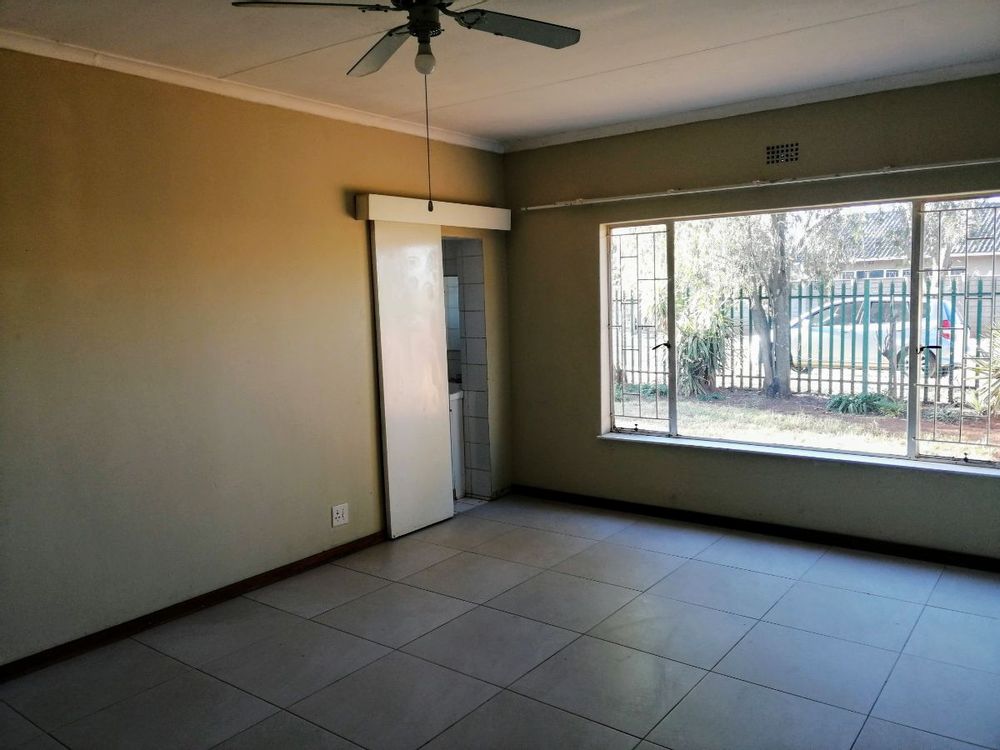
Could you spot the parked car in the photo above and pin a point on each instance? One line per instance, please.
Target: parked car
(884, 332)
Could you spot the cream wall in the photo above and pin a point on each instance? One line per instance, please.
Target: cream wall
(187, 377)
(554, 262)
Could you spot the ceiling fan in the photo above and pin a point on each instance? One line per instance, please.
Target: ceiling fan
(424, 22)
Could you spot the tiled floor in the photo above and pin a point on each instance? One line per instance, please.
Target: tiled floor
(529, 624)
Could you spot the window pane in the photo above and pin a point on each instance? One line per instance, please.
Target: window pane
(775, 346)
(638, 317)
(959, 378)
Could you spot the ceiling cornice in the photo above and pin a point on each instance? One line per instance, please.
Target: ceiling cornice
(71, 53)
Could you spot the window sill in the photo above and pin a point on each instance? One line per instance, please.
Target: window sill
(940, 466)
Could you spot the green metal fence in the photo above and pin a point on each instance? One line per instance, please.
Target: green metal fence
(851, 336)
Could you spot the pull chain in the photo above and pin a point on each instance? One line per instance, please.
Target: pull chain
(427, 132)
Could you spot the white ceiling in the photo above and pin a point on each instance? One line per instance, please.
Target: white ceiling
(638, 61)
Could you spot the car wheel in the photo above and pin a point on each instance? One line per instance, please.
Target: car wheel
(929, 363)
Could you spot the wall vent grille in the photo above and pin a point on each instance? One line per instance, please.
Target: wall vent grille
(780, 153)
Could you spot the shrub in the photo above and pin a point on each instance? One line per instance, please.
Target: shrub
(987, 369)
(866, 403)
(703, 341)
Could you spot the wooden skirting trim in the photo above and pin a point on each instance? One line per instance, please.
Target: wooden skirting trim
(124, 630)
(943, 557)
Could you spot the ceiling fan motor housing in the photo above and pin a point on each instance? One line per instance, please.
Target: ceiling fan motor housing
(424, 21)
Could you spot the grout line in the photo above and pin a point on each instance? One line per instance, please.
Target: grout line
(37, 726)
(896, 662)
(925, 731)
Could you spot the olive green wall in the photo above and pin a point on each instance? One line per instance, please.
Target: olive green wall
(187, 377)
(556, 296)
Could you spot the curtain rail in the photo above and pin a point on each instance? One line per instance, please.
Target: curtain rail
(763, 183)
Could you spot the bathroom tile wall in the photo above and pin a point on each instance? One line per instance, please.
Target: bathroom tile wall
(465, 258)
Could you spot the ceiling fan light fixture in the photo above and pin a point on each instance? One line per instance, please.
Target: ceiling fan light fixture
(424, 62)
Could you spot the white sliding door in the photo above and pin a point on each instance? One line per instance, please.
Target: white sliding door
(409, 289)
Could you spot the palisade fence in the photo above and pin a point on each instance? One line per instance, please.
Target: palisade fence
(851, 340)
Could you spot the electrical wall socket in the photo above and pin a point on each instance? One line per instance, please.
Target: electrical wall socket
(340, 515)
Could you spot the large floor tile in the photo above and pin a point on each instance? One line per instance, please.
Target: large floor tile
(542, 549)
(395, 615)
(721, 587)
(622, 566)
(881, 575)
(42, 742)
(726, 714)
(463, 532)
(283, 731)
(974, 591)
(562, 518)
(564, 601)
(475, 578)
(396, 559)
(72, 689)
(865, 618)
(611, 684)
(825, 669)
(398, 703)
(957, 638)
(670, 537)
(764, 554)
(944, 699)
(216, 631)
(317, 590)
(296, 662)
(494, 646)
(190, 712)
(513, 722)
(676, 630)
(15, 729)
(884, 735)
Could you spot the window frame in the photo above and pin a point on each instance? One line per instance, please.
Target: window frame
(912, 457)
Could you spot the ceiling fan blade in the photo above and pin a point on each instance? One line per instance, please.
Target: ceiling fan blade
(515, 27)
(381, 51)
(306, 4)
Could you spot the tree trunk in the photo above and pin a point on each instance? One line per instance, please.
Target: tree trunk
(781, 381)
(762, 323)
